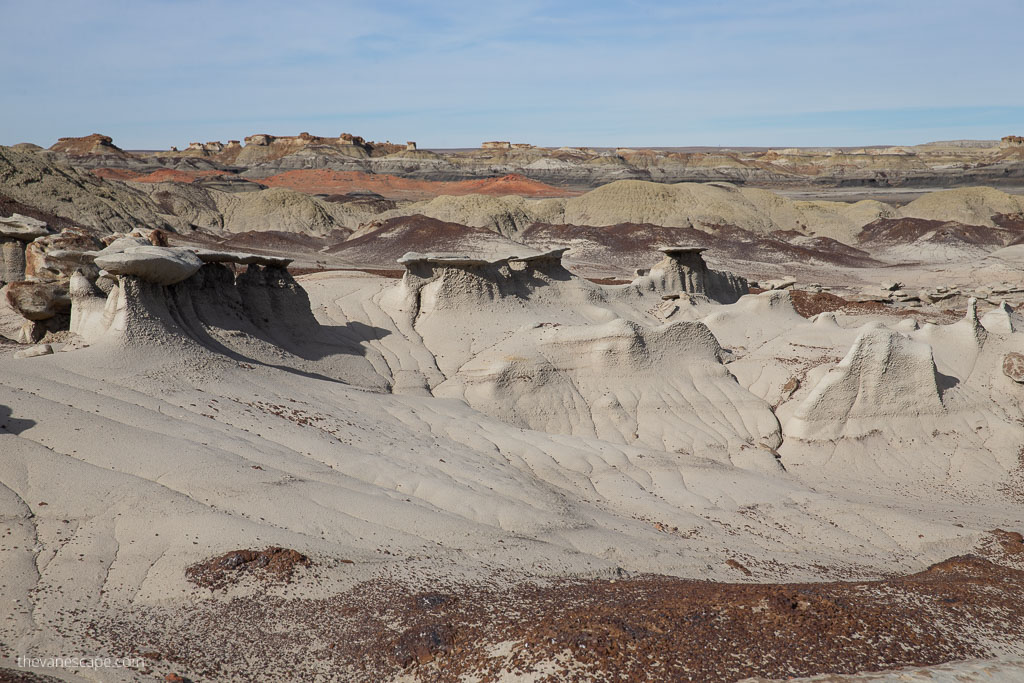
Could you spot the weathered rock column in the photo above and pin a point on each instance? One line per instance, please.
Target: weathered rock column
(690, 266)
(15, 233)
(683, 270)
(12, 252)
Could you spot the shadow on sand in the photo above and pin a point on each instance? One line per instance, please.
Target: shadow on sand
(13, 425)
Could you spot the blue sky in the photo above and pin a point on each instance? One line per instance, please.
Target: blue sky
(155, 73)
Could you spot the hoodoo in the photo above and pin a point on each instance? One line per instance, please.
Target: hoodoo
(15, 232)
(683, 270)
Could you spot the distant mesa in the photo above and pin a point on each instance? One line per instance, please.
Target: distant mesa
(215, 147)
(1012, 141)
(504, 144)
(347, 139)
(264, 147)
(87, 145)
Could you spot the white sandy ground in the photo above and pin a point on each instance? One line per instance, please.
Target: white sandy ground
(539, 425)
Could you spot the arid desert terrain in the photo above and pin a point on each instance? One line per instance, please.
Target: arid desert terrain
(319, 408)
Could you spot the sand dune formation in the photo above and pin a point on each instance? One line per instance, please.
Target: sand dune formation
(692, 431)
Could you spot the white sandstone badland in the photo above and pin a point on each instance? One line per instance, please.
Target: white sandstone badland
(480, 415)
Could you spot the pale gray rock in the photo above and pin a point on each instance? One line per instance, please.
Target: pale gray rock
(118, 245)
(159, 265)
(1002, 319)
(781, 283)
(683, 270)
(242, 258)
(34, 351)
(22, 228)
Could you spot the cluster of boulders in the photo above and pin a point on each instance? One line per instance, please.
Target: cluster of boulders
(42, 271)
(38, 277)
(889, 292)
(993, 295)
(895, 292)
(35, 271)
(16, 232)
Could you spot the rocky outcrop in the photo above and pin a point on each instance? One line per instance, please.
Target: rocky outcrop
(886, 377)
(15, 232)
(64, 196)
(37, 301)
(57, 257)
(22, 228)
(523, 339)
(1002, 320)
(94, 144)
(159, 265)
(241, 258)
(155, 272)
(684, 271)
(459, 281)
(950, 164)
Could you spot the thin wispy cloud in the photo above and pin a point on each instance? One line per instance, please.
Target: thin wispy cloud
(153, 74)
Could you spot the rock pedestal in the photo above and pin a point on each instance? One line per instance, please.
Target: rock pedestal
(683, 270)
(15, 232)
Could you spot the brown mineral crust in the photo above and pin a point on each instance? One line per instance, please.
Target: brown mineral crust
(738, 566)
(122, 174)
(383, 242)
(631, 244)
(1012, 222)
(278, 564)
(170, 175)
(1013, 366)
(810, 304)
(644, 628)
(421, 644)
(1011, 542)
(907, 230)
(369, 200)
